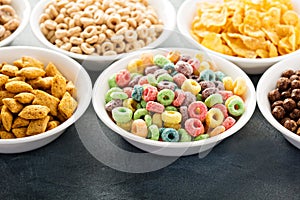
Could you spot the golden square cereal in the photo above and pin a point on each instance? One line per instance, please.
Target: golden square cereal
(44, 83)
(6, 118)
(67, 105)
(71, 88)
(9, 70)
(16, 79)
(37, 126)
(27, 61)
(13, 105)
(20, 122)
(5, 94)
(58, 87)
(52, 125)
(6, 135)
(18, 87)
(51, 70)
(3, 79)
(24, 97)
(34, 112)
(31, 72)
(45, 99)
(19, 132)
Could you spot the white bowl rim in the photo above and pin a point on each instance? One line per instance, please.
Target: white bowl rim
(43, 40)
(22, 26)
(77, 114)
(182, 30)
(212, 140)
(259, 98)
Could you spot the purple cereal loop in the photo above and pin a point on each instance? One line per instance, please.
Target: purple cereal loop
(113, 104)
(206, 84)
(184, 113)
(209, 91)
(134, 81)
(185, 58)
(184, 68)
(189, 98)
(160, 72)
(166, 85)
(219, 85)
(151, 69)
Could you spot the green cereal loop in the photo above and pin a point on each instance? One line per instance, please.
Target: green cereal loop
(111, 90)
(138, 106)
(148, 120)
(184, 136)
(201, 137)
(119, 95)
(122, 114)
(165, 97)
(164, 77)
(139, 113)
(143, 103)
(112, 81)
(170, 108)
(213, 99)
(199, 97)
(219, 75)
(236, 107)
(153, 132)
(151, 79)
(160, 60)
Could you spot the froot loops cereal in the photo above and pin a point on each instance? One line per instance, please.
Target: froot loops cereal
(171, 97)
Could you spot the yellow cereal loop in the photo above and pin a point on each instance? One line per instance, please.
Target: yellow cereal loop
(130, 103)
(171, 125)
(190, 85)
(239, 86)
(126, 126)
(228, 83)
(136, 66)
(171, 117)
(156, 119)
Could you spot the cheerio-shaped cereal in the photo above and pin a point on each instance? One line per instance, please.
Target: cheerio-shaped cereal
(31, 72)
(34, 112)
(67, 105)
(37, 126)
(18, 87)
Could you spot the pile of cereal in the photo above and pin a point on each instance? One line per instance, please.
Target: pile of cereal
(285, 100)
(100, 27)
(174, 97)
(33, 99)
(9, 20)
(248, 29)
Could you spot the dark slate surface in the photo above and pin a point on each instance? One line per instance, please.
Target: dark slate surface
(255, 163)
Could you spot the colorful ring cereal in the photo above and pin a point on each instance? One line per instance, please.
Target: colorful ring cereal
(137, 92)
(235, 105)
(179, 98)
(171, 117)
(207, 75)
(139, 113)
(216, 131)
(160, 60)
(139, 128)
(122, 114)
(111, 90)
(170, 135)
(192, 86)
(197, 110)
(201, 137)
(165, 97)
(228, 122)
(194, 127)
(123, 78)
(150, 93)
(213, 100)
(155, 107)
(214, 118)
(153, 132)
(184, 136)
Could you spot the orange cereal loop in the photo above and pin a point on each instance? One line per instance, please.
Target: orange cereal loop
(173, 56)
(228, 83)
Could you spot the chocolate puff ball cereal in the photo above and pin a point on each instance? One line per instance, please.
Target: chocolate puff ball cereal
(285, 100)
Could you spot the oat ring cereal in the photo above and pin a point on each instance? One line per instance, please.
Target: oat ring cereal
(104, 27)
(9, 20)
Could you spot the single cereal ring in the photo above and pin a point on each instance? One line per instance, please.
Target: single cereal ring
(184, 113)
(195, 63)
(113, 104)
(108, 93)
(171, 108)
(171, 117)
(239, 86)
(228, 122)
(123, 78)
(173, 56)
(190, 85)
(201, 137)
(126, 126)
(150, 93)
(160, 60)
(184, 68)
(179, 98)
(184, 136)
(179, 79)
(143, 80)
(194, 127)
(139, 113)
(189, 98)
(130, 36)
(119, 95)
(128, 91)
(112, 81)
(130, 103)
(166, 85)
(151, 79)
(155, 107)
(137, 92)
(223, 108)
(214, 118)
(170, 68)
(148, 120)
(172, 125)
(165, 97)
(228, 83)
(170, 135)
(139, 128)
(235, 105)
(207, 75)
(213, 100)
(225, 94)
(197, 110)
(164, 77)
(122, 114)
(216, 131)
(153, 132)
(219, 75)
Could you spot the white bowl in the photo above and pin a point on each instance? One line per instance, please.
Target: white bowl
(165, 10)
(72, 71)
(22, 8)
(185, 16)
(170, 148)
(267, 83)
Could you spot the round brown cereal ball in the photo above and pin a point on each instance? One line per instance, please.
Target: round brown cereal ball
(278, 112)
(291, 125)
(274, 95)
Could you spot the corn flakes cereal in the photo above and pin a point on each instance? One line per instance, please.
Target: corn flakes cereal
(248, 29)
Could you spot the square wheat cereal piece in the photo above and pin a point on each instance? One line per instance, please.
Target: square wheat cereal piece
(6, 118)
(41, 83)
(13, 105)
(20, 122)
(31, 72)
(51, 70)
(37, 126)
(19, 132)
(67, 105)
(24, 97)
(28, 61)
(5, 94)
(61, 118)
(58, 87)
(16, 79)
(45, 99)
(18, 87)
(3, 79)
(71, 88)
(6, 135)
(9, 70)
(52, 124)
(34, 112)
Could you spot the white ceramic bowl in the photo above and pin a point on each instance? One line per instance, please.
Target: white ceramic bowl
(72, 71)
(267, 83)
(185, 16)
(168, 148)
(164, 9)
(22, 8)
